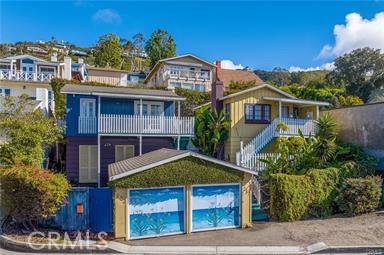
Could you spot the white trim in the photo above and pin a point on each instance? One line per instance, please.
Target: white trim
(265, 85)
(296, 101)
(209, 185)
(125, 95)
(186, 154)
(158, 235)
(93, 100)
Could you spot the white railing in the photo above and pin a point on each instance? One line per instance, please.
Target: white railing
(255, 161)
(180, 74)
(25, 76)
(247, 156)
(134, 124)
(87, 125)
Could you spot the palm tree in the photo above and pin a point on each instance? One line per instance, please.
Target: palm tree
(326, 137)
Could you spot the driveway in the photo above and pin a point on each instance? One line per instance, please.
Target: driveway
(361, 230)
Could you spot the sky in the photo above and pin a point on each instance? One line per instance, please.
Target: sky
(296, 35)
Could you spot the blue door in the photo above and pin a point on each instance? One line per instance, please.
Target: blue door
(215, 206)
(155, 212)
(100, 210)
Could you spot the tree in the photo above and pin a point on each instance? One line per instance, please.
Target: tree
(326, 138)
(26, 132)
(361, 71)
(108, 51)
(159, 46)
(211, 130)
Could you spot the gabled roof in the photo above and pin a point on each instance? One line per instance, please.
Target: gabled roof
(265, 85)
(111, 91)
(154, 69)
(159, 157)
(228, 75)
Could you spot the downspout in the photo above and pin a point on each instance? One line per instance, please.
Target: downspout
(98, 142)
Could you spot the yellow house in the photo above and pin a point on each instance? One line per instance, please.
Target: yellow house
(167, 192)
(255, 114)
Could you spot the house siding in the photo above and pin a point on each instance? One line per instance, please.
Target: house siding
(73, 113)
(107, 152)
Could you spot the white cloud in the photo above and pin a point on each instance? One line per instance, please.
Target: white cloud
(356, 33)
(228, 64)
(326, 66)
(107, 16)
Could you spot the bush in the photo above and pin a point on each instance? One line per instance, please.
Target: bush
(360, 195)
(30, 194)
(295, 197)
(192, 100)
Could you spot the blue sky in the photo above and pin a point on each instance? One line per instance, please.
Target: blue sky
(252, 33)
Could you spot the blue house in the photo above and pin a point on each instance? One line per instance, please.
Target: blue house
(110, 124)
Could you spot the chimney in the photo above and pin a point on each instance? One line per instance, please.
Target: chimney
(67, 68)
(54, 57)
(80, 61)
(217, 92)
(218, 63)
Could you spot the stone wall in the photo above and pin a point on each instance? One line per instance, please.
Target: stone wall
(362, 125)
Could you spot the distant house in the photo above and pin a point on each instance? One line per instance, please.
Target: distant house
(109, 76)
(37, 50)
(186, 71)
(228, 75)
(26, 74)
(107, 124)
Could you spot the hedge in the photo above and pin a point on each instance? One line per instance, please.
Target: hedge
(186, 171)
(295, 197)
(360, 195)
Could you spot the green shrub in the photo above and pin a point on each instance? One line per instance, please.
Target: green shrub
(295, 197)
(30, 193)
(192, 99)
(360, 195)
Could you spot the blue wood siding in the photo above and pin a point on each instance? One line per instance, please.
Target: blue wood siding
(107, 106)
(73, 113)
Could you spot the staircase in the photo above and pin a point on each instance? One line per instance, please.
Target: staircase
(249, 155)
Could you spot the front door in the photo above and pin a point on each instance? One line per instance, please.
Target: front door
(87, 120)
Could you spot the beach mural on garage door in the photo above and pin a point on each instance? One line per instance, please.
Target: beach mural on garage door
(216, 206)
(155, 212)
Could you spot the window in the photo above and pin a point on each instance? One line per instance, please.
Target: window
(124, 152)
(87, 107)
(199, 87)
(285, 111)
(87, 163)
(174, 85)
(47, 70)
(257, 113)
(227, 111)
(5, 92)
(150, 108)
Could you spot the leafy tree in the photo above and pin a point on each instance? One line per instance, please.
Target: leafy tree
(326, 138)
(25, 131)
(3, 50)
(108, 51)
(159, 46)
(30, 193)
(361, 71)
(192, 99)
(211, 130)
(376, 96)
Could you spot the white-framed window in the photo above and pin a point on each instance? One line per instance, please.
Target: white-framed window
(5, 91)
(124, 152)
(87, 107)
(46, 69)
(150, 108)
(87, 163)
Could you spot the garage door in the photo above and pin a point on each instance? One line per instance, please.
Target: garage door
(155, 212)
(215, 206)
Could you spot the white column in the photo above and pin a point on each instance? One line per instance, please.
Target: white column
(140, 145)
(98, 142)
(178, 108)
(279, 110)
(141, 127)
(317, 112)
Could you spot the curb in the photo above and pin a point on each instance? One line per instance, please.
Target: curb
(19, 246)
(363, 249)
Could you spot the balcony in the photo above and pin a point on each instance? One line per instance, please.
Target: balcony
(137, 125)
(188, 75)
(26, 76)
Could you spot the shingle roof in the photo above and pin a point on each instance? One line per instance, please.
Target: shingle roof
(156, 158)
(119, 91)
(227, 75)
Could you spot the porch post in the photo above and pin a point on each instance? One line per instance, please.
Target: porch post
(98, 142)
(279, 111)
(179, 125)
(178, 108)
(140, 145)
(141, 127)
(317, 112)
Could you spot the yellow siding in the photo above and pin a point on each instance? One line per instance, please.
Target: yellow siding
(121, 213)
(111, 78)
(246, 201)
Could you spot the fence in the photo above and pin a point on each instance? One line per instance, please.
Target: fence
(86, 209)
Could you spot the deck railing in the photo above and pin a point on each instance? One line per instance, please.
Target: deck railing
(135, 124)
(6, 74)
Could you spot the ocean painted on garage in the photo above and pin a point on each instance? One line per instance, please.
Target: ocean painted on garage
(215, 207)
(155, 212)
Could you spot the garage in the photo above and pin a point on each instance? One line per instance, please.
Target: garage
(215, 207)
(168, 192)
(156, 212)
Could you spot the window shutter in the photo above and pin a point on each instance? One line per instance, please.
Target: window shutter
(87, 163)
(124, 152)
